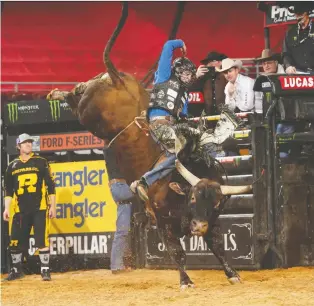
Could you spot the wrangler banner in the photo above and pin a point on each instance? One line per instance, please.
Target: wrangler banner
(276, 15)
(36, 112)
(85, 211)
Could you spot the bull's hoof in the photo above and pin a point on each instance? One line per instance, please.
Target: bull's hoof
(187, 286)
(235, 280)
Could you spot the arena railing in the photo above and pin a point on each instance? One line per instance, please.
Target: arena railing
(249, 68)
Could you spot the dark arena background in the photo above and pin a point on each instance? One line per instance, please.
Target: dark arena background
(268, 235)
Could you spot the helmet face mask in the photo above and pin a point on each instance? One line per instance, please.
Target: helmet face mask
(184, 70)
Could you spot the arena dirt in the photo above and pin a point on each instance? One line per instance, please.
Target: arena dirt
(293, 286)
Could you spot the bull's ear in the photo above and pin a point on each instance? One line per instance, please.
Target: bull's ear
(176, 188)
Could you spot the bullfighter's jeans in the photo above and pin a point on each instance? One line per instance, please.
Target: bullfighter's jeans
(120, 246)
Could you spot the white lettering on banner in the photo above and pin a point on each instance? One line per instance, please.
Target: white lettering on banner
(301, 82)
(61, 245)
(28, 107)
(80, 245)
(197, 244)
(196, 97)
(229, 238)
(281, 15)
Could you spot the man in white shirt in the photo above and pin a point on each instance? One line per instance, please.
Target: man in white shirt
(240, 96)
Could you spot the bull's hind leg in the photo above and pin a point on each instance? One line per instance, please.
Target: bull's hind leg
(178, 255)
(215, 243)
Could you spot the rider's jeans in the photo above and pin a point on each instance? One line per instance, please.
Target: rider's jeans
(163, 134)
(162, 170)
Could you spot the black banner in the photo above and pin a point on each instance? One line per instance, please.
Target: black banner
(237, 231)
(276, 15)
(73, 252)
(37, 112)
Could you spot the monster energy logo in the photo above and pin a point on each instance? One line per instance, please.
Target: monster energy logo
(13, 112)
(55, 109)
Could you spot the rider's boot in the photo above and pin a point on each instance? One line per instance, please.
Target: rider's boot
(140, 187)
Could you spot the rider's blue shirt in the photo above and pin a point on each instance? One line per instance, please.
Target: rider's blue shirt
(163, 74)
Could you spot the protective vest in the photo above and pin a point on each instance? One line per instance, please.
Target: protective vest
(169, 95)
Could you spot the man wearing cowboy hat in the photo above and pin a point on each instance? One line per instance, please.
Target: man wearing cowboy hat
(269, 61)
(239, 89)
(211, 82)
(298, 46)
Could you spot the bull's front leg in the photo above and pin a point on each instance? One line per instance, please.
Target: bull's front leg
(215, 243)
(177, 254)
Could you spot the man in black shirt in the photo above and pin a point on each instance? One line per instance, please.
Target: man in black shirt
(212, 82)
(29, 182)
(298, 46)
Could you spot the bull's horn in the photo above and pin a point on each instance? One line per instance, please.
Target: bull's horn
(190, 177)
(228, 190)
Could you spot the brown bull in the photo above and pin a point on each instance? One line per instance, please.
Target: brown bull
(107, 106)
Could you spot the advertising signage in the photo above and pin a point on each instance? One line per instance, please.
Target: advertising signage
(37, 112)
(276, 15)
(59, 142)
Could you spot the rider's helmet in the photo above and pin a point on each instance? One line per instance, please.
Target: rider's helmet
(184, 70)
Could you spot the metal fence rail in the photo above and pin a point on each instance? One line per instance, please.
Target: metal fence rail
(250, 68)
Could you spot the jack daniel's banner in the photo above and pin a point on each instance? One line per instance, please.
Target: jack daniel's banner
(37, 112)
(237, 235)
(276, 15)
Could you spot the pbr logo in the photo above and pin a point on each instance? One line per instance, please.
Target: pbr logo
(280, 15)
(13, 112)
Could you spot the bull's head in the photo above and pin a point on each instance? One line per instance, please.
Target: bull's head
(205, 196)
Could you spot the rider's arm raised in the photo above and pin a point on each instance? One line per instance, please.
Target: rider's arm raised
(163, 72)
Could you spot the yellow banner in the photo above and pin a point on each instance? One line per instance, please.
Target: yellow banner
(83, 199)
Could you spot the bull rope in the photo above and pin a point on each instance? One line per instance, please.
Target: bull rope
(130, 124)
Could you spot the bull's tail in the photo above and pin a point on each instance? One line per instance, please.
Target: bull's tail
(111, 69)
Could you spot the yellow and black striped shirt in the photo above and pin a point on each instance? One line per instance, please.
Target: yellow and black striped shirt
(29, 182)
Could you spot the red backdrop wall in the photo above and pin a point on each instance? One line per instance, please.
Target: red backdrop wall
(64, 41)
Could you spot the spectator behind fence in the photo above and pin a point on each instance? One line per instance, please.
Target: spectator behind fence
(298, 46)
(240, 96)
(213, 83)
(269, 62)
